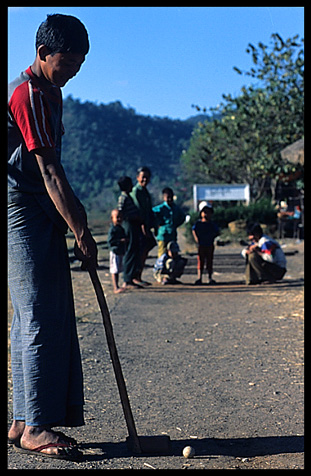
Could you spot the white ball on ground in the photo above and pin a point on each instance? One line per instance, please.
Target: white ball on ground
(188, 452)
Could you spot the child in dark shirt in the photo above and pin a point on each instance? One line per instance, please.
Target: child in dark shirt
(132, 226)
(116, 244)
(204, 232)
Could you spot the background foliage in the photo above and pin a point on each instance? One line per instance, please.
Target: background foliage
(243, 144)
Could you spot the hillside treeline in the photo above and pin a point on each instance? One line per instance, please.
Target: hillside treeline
(103, 142)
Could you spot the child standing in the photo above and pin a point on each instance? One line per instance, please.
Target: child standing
(143, 202)
(204, 232)
(132, 226)
(116, 244)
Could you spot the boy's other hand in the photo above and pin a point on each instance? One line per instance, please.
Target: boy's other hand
(86, 249)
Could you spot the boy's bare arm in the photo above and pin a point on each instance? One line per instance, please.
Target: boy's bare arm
(195, 236)
(64, 200)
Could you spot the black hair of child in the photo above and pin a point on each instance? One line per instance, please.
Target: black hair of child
(124, 183)
(144, 169)
(206, 209)
(63, 34)
(168, 191)
(255, 229)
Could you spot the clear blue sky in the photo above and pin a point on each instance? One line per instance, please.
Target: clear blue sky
(158, 60)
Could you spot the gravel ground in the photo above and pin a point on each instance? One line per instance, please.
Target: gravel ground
(219, 368)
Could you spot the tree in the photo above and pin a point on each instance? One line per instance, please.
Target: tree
(244, 143)
(103, 142)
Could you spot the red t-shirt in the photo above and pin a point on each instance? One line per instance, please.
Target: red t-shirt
(34, 122)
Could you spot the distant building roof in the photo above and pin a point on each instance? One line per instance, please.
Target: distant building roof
(294, 152)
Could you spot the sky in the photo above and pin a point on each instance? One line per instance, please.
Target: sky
(158, 60)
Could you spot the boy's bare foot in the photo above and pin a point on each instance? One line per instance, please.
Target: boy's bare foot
(35, 437)
(119, 290)
(140, 282)
(132, 285)
(16, 430)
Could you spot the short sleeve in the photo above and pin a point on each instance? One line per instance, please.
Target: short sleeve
(31, 114)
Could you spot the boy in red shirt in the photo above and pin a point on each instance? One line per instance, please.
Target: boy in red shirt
(45, 356)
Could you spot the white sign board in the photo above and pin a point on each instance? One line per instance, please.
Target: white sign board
(220, 192)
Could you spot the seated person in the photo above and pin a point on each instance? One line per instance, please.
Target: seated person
(170, 265)
(265, 260)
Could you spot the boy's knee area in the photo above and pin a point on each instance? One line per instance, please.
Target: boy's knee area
(252, 257)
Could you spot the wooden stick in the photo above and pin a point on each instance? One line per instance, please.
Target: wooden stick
(133, 437)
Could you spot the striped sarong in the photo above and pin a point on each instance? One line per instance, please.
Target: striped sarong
(46, 362)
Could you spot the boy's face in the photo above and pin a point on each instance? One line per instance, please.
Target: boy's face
(168, 198)
(116, 217)
(206, 215)
(172, 254)
(143, 178)
(60, 67)
(254, 237)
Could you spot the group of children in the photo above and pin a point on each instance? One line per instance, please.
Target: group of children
(137, 227)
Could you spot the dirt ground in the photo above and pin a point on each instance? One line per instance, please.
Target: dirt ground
(218, 367)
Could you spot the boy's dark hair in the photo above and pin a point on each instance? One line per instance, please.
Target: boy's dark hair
(63, 34)
(206, 209)
(124, 183)
(167, 191)
(144, 169)
(255, 229)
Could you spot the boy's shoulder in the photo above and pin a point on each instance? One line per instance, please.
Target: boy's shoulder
(159, 207)
(21, 79)
(111, 228)
(177, 210)
(27, 85)
(117, 227)
(199, 222)
(122, 198)
(267, 242)
(136, 188)
(205, 224)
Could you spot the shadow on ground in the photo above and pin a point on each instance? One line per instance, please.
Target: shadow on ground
(206, 447)
(226, 286)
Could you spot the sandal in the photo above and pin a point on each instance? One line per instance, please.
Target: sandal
(68, 439)
(67, 452)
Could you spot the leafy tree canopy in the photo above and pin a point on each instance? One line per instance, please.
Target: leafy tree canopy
(244, 142)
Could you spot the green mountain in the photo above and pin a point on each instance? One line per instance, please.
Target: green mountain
(104, 142)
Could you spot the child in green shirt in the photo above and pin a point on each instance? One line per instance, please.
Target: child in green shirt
(142, 200)
(168, 217)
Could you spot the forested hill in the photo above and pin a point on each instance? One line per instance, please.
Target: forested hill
(104, 142)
